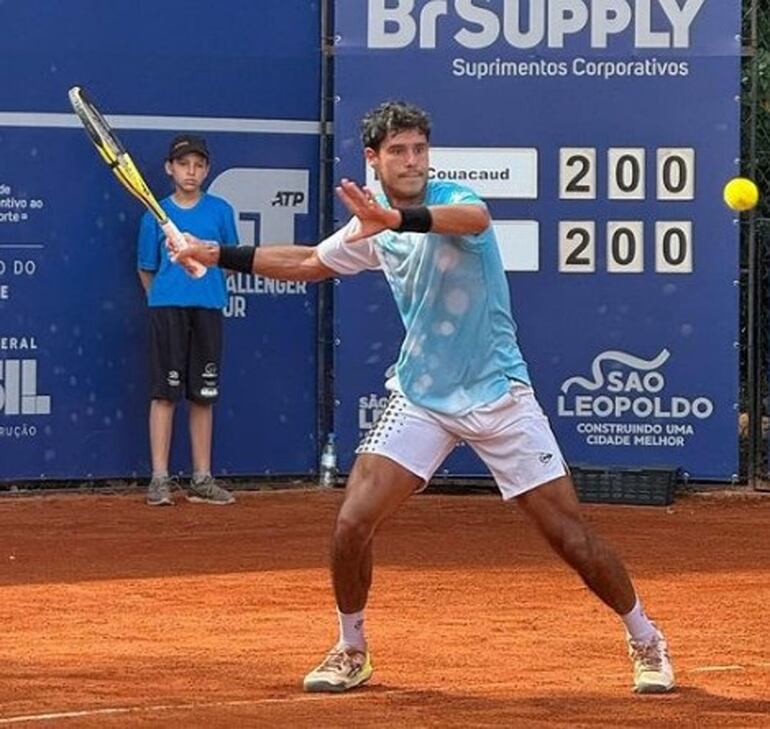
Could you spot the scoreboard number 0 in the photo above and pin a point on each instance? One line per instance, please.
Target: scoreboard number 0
(676, 173)
(625, 246)
(626, 173)
(673, 246)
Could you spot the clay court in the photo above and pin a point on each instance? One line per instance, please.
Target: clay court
(118, 615)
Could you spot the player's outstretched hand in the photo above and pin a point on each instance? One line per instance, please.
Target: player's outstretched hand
(373, 217)
(195, 250)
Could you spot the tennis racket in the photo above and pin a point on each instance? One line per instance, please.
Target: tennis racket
(123, 167)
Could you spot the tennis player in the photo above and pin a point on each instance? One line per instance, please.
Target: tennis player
(460, 376)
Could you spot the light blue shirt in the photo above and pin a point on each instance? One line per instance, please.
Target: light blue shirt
(460, 350)
(210, 219)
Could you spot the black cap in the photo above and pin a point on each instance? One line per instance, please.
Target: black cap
(185, 144)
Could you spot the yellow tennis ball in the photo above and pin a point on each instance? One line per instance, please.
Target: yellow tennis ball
(741, 194)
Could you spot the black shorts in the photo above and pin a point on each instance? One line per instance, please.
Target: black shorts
(185, 352)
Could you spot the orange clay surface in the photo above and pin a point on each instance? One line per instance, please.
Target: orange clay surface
(114, 614)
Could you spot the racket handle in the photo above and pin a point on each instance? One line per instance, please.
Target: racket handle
(194, 268)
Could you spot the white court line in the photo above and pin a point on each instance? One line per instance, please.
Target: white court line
(21, 245)
(108, 711)
(714, 669)
(728, 667)
(165, 123)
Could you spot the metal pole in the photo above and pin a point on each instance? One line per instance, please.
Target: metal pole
(325, 314)
(753, 295)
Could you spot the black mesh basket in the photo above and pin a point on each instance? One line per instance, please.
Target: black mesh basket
(653, 486)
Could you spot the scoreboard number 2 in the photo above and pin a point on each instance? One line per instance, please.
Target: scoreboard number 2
(577, 246)
(577, 173)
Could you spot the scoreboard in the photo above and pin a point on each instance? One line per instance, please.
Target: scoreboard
(600, 135)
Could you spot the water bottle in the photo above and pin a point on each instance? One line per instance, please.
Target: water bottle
(328, 471)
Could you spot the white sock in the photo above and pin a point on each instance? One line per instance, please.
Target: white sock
(638, 624)
(159, 474)
(199, 476)
(352, 630)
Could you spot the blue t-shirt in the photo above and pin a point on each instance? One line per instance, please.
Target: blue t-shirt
(460, 350)
(210, 219)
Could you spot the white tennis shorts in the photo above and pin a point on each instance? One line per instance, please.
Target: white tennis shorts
(511, 435)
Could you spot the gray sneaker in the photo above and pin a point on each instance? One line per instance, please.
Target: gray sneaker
(159, 492)
(208, 491)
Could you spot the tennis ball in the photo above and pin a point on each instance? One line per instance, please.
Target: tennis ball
(741, 194)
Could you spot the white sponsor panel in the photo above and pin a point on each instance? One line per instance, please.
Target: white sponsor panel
(492, 172)
(519, 242)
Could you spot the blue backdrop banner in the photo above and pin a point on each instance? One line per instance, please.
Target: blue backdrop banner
(73, 346)
(600, 135)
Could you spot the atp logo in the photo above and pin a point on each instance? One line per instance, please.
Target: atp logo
(631, 386)
(288, 198)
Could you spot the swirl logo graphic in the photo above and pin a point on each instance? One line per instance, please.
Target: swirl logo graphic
(623, 358)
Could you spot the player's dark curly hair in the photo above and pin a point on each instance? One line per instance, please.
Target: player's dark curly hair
(392, 117)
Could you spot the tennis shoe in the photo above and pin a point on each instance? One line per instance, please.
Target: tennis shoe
(159, 491)
(208, 491)
(343, 668)
(653, 672)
